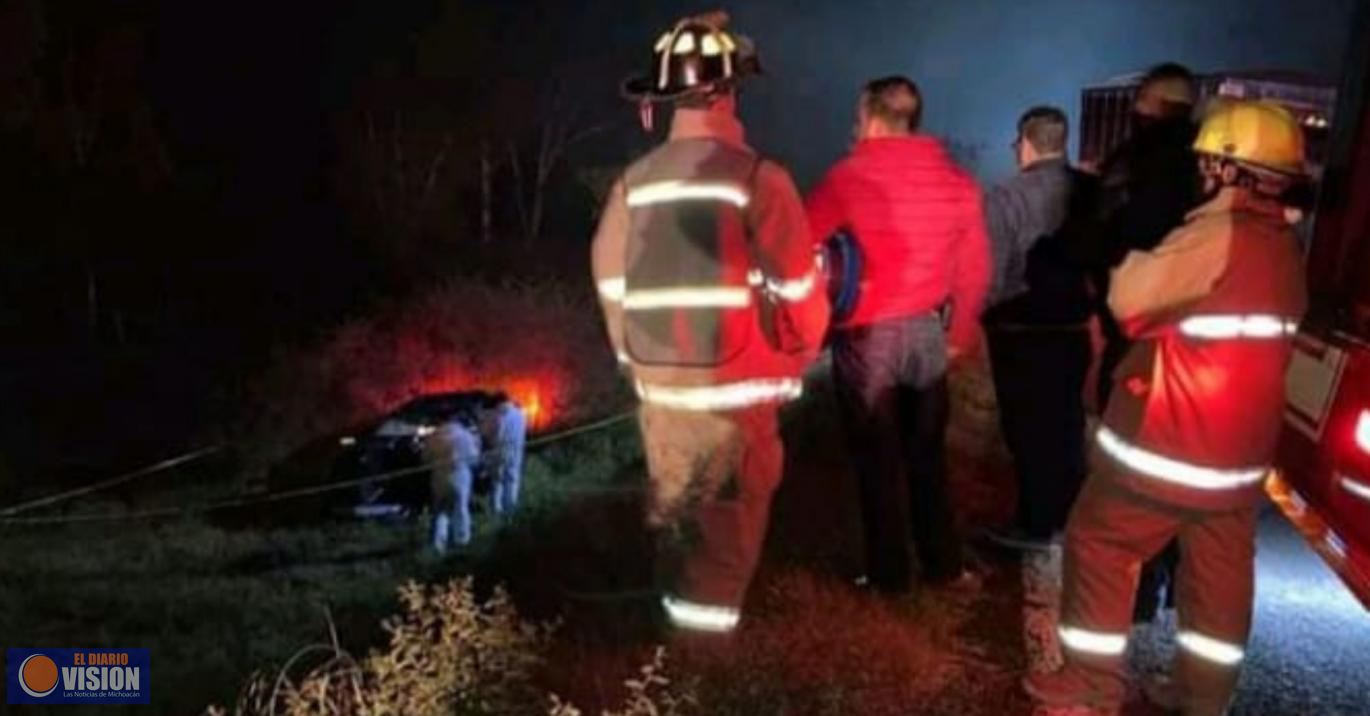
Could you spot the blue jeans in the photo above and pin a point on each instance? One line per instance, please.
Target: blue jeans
(506, 475)
(452, 510)
(504, 429)
(452, 479)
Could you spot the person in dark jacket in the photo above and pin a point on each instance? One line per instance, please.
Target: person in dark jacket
(918, 220)
(1149, 185)
(1038, 324)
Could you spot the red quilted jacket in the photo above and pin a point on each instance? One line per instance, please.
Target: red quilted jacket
(918, 220)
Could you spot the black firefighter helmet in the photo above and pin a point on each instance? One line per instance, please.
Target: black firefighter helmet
(696, 57)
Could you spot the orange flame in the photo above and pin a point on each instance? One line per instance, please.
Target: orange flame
(529, 394)
(535, 395)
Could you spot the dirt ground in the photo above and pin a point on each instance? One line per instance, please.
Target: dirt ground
(810, 643)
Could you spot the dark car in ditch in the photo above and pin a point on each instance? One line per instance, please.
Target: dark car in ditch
(391, 450)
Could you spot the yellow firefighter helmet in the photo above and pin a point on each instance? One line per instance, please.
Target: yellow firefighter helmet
(1259, 133)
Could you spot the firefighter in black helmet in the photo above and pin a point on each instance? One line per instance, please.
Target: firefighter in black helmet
(712, 301)
(696, 58)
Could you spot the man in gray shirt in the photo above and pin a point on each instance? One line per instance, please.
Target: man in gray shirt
(1037, 323)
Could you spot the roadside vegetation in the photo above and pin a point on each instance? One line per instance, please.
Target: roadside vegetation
(218, 597)
(227, 601)
(540, 341)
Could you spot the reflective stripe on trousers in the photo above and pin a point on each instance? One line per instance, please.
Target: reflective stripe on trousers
(711, 476)
(1112, 532)
(700, 617)
(1210, 649)
(1096, 643)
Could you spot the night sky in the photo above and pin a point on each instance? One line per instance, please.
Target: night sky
(981, 62)
(252, 84)
(254, 246)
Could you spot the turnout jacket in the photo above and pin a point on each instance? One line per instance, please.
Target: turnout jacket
(1200, 397)
(706, 274)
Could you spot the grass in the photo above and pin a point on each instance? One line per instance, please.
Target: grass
(216, 600)
(211, 605)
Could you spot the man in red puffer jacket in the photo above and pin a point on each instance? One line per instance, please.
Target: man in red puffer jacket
(917, 220)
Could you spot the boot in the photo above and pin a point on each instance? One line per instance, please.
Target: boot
(1161, 692)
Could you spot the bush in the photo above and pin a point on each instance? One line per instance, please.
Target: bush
(448, 654)
(542, 343)
(651, 694)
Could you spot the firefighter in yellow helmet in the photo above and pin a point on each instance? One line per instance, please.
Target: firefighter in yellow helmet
(709, 288)
(1189, 433)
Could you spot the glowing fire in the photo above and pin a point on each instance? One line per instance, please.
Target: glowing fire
(529, 395)
(535, 395)
(533, 406)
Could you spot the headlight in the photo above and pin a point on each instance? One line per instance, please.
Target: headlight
(424, 431)
(347, 441)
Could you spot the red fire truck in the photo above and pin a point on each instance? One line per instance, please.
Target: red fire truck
(1323, 481)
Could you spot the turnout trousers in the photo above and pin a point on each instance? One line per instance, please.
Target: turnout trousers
(712, 476)
(1156, 586)
(1113, 530)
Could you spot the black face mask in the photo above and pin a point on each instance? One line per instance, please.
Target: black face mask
(1170, 112)
(1301, 195)
(1140, 121)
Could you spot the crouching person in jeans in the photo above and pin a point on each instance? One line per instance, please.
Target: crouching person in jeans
(454, 452)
